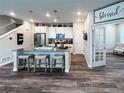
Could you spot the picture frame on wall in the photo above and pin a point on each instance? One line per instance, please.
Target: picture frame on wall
(109, 13)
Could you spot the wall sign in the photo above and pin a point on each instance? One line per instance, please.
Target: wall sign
(109, 13)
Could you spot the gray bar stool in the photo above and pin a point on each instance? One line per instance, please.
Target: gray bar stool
(41, 60)
(58, 60)
(25, 60)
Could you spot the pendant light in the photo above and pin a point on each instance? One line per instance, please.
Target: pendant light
(31, 19)
(55, 16)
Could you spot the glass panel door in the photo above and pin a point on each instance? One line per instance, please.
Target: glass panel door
(99, 50)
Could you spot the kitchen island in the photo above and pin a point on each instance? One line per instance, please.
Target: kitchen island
(50, 52)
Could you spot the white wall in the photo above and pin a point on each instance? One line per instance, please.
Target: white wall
(120, 30)
(110, 31)
(7, 45)
(78, 37)
(114, 34)
(88, 44)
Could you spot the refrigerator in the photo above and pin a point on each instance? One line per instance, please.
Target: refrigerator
(39, 39)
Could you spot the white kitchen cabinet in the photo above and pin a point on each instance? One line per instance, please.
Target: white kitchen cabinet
(40, 29)
(61, 30)
(37, 29)
(68, 32)
(51, 32)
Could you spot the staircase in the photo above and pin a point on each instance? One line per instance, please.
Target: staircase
(8, 29)
(7, 24)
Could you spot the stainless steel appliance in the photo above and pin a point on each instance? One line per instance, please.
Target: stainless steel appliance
(39, 39)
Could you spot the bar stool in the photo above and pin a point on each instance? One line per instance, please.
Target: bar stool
(25, 60)
(41, 60)
(60, 59)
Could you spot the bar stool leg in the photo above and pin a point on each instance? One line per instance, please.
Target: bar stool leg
(48, 59)
(35, 65)
(52, 65)
(39, 62)
(28, 65)
(49, 62)
(54, 62)
(18, 65)
(45, 65)
(24, 62)
(63, 65)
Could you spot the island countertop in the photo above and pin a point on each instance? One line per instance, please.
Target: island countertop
(50, 52)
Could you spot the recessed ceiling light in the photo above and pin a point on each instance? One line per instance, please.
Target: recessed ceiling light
(55, 20)
(78, 13)
(31, 20)
(47, 15)
(78, 20)
(12, 13)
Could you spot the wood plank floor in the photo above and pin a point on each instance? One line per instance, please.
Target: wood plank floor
(108, 79)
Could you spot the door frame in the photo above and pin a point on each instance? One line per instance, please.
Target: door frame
(90, 36)
(99, 62)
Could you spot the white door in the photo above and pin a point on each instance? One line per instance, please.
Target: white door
(99, 49)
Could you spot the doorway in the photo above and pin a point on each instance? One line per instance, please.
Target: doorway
(107, 41)
(98, 47)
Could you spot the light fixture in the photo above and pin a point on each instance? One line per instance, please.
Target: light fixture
(47, 15)
(78, 20)
(78, 13)
(55, 20)
(31, 20)
(12, 13)
(55, 15)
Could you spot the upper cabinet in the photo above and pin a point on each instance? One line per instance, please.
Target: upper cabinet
(68, 32)
(51, 30)
(40, 29)
(60, 30)
(37, 29)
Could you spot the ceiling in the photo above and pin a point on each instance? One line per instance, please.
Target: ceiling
(67, 9)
